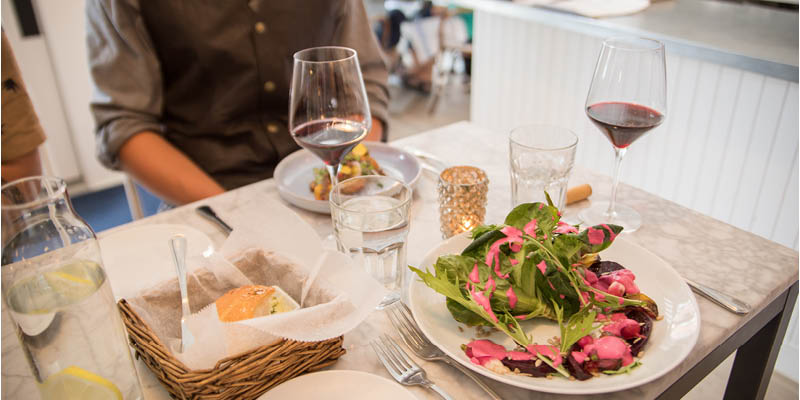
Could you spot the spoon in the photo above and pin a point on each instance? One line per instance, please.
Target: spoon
(178, 245)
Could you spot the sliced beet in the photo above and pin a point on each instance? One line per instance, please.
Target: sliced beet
(641, 316)
(574, 367)
(604, 267)
(603, 365)
(528, 367)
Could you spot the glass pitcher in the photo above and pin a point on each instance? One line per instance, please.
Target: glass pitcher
(58, 295)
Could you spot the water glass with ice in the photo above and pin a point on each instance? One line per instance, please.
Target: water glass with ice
(370, 216)
(541, 158)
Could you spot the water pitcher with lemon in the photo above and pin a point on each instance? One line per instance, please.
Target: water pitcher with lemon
(58, 296)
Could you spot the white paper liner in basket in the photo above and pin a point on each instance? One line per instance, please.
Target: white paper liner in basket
(270, 245)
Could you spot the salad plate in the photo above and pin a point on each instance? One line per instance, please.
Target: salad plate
(671, 340)
(294, 173)
(338, 385)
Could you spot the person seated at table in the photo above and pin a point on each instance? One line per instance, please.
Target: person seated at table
(21, 132)
(191, 98)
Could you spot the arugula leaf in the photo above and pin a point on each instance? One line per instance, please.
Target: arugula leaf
(561, 370)
(481, 229)
(451, 290)
(578, 326)
(623, 370)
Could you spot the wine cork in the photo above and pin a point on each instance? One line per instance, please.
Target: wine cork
(578, 193)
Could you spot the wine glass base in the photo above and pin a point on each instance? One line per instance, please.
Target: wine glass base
(624, 216)
(388, 300)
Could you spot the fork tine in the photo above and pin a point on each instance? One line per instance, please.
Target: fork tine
(401, 354)
(406, 314)
(379, 351)
(392, 355)
(408, 336)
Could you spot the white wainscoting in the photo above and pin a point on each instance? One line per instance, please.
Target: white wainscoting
(728, 147)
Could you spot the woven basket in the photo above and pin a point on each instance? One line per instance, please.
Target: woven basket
(243, 376)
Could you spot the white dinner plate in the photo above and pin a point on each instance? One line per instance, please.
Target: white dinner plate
(140, 257)
(338, 385)
(295, 172)
(670, 342)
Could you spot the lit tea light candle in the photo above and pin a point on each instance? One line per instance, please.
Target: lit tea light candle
(462, 199)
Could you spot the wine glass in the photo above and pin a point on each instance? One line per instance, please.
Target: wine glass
(627, 98)
(328, 107)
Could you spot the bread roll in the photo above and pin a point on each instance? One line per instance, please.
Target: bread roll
(246, 302)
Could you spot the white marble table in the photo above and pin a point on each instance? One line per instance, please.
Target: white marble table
(705, 250)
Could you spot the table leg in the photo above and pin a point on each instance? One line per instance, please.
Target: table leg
(758, 342)
(755, 360)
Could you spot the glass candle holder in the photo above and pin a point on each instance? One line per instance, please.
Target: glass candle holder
(462, 199)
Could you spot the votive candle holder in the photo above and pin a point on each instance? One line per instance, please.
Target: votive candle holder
(462, 199)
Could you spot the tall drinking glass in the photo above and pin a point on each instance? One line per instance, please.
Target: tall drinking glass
(627, 98)
(328, 108)
(370, 215)
(59, 298)
(541, 159)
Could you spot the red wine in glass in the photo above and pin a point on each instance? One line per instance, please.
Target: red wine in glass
(623, 123)
(330, 139)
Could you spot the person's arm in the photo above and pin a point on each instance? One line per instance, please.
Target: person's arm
(146, 156)
(22, 167)
(376, 132)
(127, 105)
(354, 31)
(22, 132)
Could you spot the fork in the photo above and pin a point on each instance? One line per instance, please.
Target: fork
(401, 367)
(402, 320)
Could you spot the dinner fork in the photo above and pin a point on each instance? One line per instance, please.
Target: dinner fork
(413, 337)
(401, 367)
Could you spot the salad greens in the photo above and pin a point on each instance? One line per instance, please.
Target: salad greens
(533, 265)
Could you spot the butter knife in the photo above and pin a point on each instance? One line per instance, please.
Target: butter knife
(209, 214)
(728, 302)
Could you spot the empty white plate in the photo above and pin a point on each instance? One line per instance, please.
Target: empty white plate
(338, 385)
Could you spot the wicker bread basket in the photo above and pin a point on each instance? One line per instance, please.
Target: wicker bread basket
(243, 376)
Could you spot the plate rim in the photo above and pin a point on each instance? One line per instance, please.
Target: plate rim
(350, 372)
(557, 390)
(321, 206)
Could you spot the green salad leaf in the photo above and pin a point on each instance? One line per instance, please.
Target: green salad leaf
(530, 266)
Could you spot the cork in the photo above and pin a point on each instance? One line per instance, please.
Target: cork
(578, 193)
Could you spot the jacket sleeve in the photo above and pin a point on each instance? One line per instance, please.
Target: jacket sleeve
(127, 95)
(355, 32)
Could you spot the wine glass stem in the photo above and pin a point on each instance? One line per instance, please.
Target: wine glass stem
(333, 172)
(620, 153)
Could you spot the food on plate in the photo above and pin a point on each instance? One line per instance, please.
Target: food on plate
(536, 266)
(356, 163)
(252, 301)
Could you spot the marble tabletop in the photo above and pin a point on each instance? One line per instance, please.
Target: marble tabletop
(698, 247)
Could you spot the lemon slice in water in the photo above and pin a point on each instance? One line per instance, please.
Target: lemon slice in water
(78, 384)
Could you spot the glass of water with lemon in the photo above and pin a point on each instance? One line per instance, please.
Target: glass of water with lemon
(59, 298)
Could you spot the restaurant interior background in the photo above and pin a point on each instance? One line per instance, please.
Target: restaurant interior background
(744, 159)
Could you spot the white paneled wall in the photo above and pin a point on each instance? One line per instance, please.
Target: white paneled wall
(728, 147)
